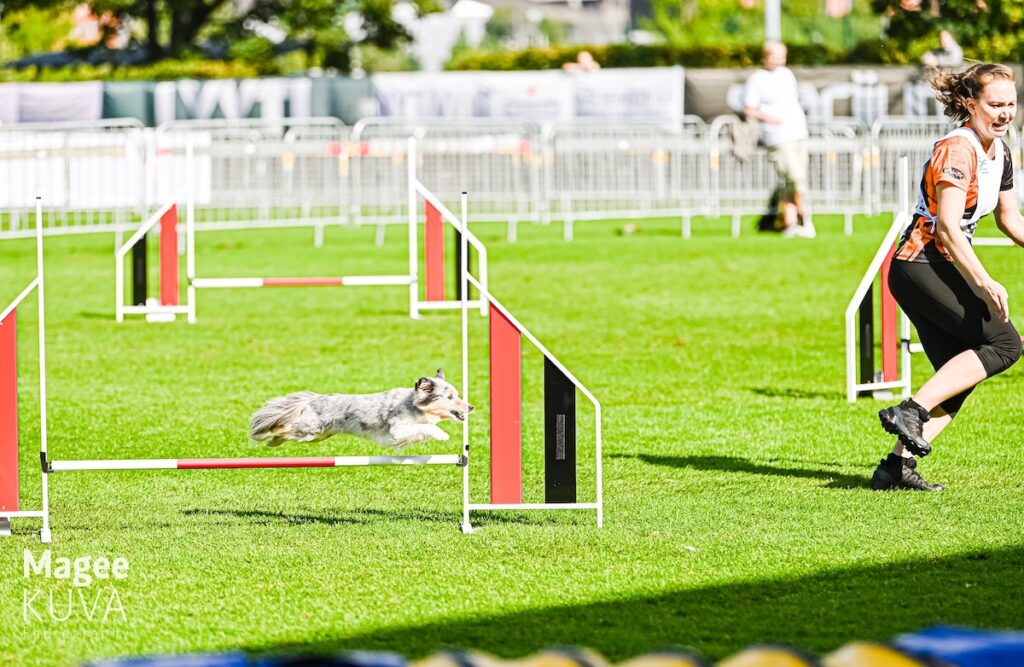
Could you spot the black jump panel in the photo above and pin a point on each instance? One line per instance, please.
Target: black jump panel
(559, 436)
(139, 272)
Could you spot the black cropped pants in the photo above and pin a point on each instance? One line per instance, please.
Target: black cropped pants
(950, 318)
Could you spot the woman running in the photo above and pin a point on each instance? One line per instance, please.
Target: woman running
(960, 312)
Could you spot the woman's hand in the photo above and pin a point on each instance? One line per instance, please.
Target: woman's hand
(997, 297)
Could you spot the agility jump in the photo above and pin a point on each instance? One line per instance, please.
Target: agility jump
(505, 359)
(10, 500)
(169, 304)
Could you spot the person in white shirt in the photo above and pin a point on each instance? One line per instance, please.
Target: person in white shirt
(771, 98)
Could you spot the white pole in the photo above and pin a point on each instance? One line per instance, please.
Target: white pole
(467, 527)
(44, 534)
(903, 166)
(190, 230)
(414, 280)
(773, 20)
(119, 284)
(600, 491)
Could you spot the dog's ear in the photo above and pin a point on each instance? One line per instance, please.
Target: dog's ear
(424, 384)
(440, 374)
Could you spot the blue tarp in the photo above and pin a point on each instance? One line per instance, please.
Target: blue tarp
(966, 648)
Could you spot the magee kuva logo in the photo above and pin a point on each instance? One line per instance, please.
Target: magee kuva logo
(60, 589)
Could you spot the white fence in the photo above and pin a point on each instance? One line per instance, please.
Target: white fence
(92, 176)
(317, 172)
(249, 173)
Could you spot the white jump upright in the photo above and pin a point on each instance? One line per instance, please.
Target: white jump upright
(505, 379)
(435, 215)
(165, 308)
(168, 305)
(894, 378)
(10, 503)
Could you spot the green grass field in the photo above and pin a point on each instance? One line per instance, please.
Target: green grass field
(736, 506)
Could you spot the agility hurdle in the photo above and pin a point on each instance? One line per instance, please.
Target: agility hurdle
(168, 305)
(506, 441)
(505, 429)
(894, 376)
(9, 484)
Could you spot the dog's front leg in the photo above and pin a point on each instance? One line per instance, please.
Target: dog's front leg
(408, 435)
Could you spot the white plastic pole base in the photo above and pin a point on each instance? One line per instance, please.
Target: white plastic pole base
(467, 528)
(45, 536)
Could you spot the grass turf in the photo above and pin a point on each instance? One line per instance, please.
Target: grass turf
(735, 472)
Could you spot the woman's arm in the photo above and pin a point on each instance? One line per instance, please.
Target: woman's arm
(952, 202)
(1008, 217)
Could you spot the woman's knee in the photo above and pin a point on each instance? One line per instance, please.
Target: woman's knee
(1001, 351)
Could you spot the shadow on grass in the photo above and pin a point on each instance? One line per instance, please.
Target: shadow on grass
(818, 612)
(792, 392)
(358, 516)
(835, 479)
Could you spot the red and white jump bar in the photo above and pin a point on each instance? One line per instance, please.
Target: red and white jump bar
(338, 281)
(253, 462)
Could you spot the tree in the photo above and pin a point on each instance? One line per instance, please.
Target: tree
(172, 27)
(986, 29)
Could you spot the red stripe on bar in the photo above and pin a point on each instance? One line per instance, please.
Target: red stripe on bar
(169, 257)
(890, 337)
(9, 413)
(261, 462)
(301, 282)
(506, 411)
(433, 253)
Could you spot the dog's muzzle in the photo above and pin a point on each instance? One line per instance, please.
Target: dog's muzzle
(461, 416)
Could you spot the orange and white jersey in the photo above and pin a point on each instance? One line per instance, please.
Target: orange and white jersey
(960, 161)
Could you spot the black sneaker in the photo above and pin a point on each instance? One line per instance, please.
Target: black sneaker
(896, 473)
(906, 421)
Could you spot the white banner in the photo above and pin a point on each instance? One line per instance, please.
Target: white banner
(545, 95)
(630, 93)
(270, 99)
(50, 102)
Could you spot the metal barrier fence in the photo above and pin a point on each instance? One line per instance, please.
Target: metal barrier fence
(741, 184)
(316, 172)
(498, 161)
(250, 173)
(596, 170)
(92, 175)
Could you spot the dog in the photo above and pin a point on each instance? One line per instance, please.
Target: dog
(396, 418)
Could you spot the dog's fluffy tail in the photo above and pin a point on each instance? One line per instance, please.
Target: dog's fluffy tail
(273, 422)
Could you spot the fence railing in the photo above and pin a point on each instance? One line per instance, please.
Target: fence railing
(92, 175)
(316, 172)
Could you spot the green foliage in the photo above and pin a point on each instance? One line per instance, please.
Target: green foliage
(256, 51)
(499, 28)
(375, 59)
(714, 22)
(661, 55)
(159, 71)
(555, 32)
(987, 31)
(32, 29)
(172, 28)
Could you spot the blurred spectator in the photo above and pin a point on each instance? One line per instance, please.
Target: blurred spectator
(949, 53)
(771, 99)
(584, 63)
